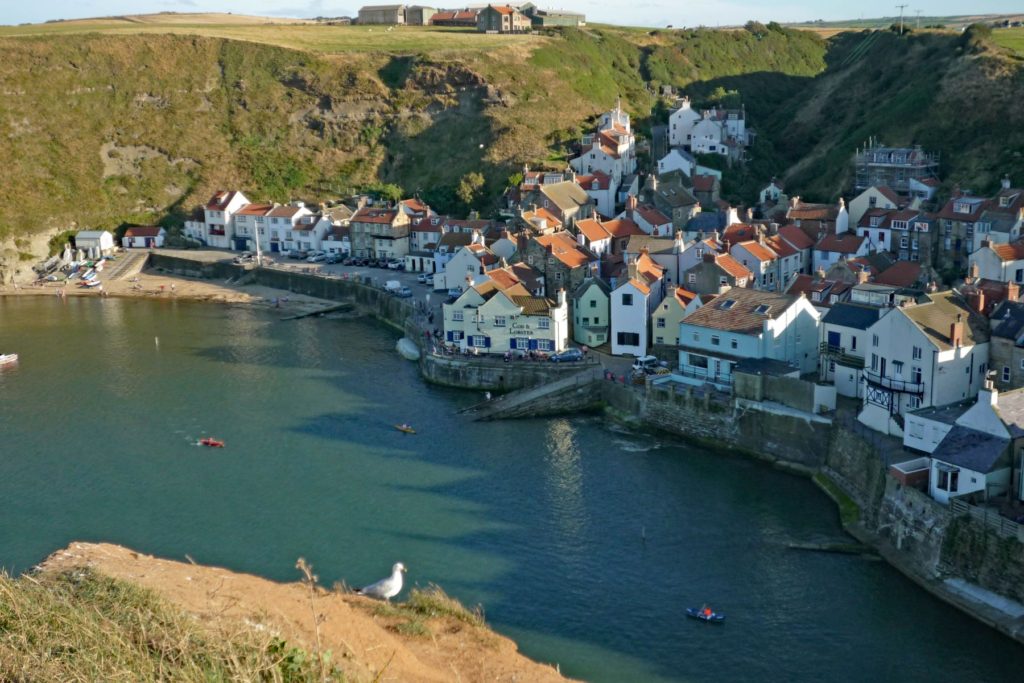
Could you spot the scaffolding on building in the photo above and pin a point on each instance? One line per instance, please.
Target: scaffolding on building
(877, 165)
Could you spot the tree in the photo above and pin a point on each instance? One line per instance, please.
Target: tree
(388, 191)
(469, 188)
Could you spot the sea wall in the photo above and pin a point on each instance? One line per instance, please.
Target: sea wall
(492, 374)
(974, 552)
(369, 300)
(761, 429)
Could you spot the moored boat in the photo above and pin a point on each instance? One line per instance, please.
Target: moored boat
(405, 428)
(211, 442)
(705, 615)
(8, 358)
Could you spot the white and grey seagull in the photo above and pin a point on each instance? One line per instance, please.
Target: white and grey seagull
(385, 588)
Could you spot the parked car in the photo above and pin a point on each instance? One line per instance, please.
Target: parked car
(317, 258)
(646, 364)
(454, 293)
(567, 356)
(395, 265)
(334, 258)
(424, 279)
(297, 254)
(404, 293)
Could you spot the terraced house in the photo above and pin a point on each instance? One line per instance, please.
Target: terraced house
(380, 232)
(494, 318)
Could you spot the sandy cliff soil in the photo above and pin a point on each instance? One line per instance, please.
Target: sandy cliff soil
(362, 637)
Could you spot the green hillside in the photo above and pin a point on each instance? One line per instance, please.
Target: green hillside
(115, 121)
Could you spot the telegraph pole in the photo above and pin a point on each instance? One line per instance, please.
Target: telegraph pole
(918, 19)
(901, 8)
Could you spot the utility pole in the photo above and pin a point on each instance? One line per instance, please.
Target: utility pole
(918, 19)
(901, 8)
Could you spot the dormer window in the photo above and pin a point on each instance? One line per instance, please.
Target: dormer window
(876, 221)
(1004, 202)
(762, 309)
(727, 304)
(962, 207)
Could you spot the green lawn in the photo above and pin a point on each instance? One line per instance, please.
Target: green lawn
(301, 36)
(1010, 38)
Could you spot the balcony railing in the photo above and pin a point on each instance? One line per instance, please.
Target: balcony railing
(894, 384)
(839, 355)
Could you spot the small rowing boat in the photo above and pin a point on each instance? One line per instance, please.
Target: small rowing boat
(8, 358)
(211, 442)
(705, 615)
(405, 429)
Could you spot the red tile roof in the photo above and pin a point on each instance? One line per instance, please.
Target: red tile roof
(562, 246)
(374, 215)
(741, 316)
(587, 181)
(285, 211)
(592, 229)
(780, 246)
(758, 250)
(220, 200)
(738, 232)
(889, 194)
(1009, 252)
(732, 266)
(143, 231)
(900, 274)
(704, 183)
(684, 296)
(795, 236)
(845, 243)
(254, 210)
(622, 227)
(652, 215)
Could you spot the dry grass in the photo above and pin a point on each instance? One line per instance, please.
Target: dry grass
(83, 626)
(306, 36)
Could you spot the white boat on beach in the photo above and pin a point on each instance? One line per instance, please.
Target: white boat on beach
(8, 358)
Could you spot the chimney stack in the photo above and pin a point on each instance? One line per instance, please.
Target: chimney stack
(1012, 291)
(973, 274)
(794, 202)
(820, 274)
(749, 214)
(956, 332)
(773, 228)
(1006, 181)
(863, 276)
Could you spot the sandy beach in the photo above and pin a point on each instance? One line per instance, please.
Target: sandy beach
(150, 285)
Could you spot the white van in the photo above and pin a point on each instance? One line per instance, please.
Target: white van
(647, 364)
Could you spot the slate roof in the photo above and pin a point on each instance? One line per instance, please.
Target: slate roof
(740, 316)
(857, 316)
(566, 195)
(999, 221)
(708, 221)
(971, 449)
(1008, 320)
(1010, 408)
(935, 318)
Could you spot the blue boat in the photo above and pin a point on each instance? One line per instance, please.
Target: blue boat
(702, 615)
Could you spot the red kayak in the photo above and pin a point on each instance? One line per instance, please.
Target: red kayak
(211, 442)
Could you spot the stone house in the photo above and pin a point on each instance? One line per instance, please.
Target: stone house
(1006, 346)
(716, 273)
(564, 263)
(380, 232)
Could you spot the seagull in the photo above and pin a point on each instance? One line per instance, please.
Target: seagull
(385, 588)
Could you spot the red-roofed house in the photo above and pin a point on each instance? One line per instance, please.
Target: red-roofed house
(282, 221)
(821, 292)
(602, 188)
(565, 263)
(502, 19)
(831, 248)
(760, 260)
(217, 215)
(632, 304)
(716, 273)
(611, 149)
(1001, 262)
(647, 218)
(874, 198)
(141, 237)
(799, 240)
(706, 189)
(380, 232)
(900, 274)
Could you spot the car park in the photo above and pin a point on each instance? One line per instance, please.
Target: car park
(567, 356)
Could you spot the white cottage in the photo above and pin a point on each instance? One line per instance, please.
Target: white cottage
(632, 304)
(143, 237)
(489, 319)
(747, 323)
(930, 354)
(96, 243)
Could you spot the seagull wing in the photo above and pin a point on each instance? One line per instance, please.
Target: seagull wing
(385, 588)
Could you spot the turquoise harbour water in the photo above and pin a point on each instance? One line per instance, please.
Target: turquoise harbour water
(583, 542)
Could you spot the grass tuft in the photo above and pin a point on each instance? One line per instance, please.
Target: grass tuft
(84, 626)
(432, 601)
